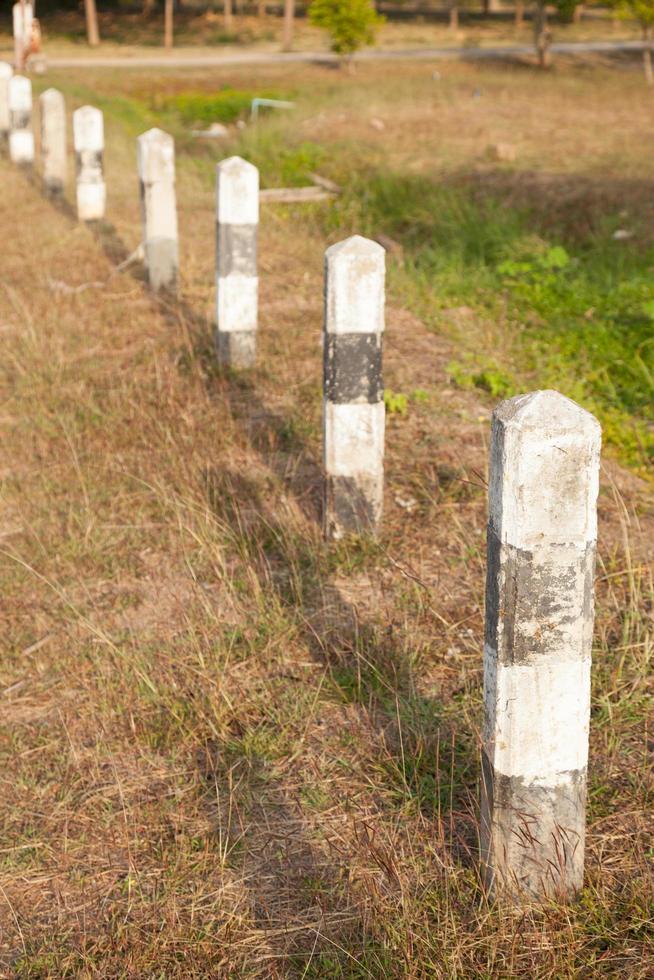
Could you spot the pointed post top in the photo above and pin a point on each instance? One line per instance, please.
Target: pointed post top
(155, 151)
(154, 135)
(355, 247)
(237, 192)
(547, 409)
(88, 128)
(234, 166)
(51, 95)
(544, 472)
(355, 276)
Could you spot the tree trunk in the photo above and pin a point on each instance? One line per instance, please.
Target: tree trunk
(289, 23)
(148, 7)
(92, 32)
(542, 37)
(578, 13)
(228, 10)
(647, 55)
(261, 8)
(168, 25)
(519, 15)
(454, 16)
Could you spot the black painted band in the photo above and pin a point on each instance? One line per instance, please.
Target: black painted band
(236, 249)
(90, 161)
(352, 364)
(21, 119)
(531, 835)
(524, 592)
(352, 504)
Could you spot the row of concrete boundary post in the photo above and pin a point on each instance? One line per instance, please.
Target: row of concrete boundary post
(543, 485)
(16, 130)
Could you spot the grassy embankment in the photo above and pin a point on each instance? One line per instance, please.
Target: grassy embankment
(228, 749)
(537, 254)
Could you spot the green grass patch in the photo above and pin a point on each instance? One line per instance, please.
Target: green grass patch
(574, 315)
(227, 105)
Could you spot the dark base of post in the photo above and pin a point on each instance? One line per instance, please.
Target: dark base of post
(53, 188)
(532, 836)
(352, 505)
(236, 348)
(162, 263)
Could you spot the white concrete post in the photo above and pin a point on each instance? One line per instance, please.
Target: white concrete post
(542, 529)
(53, 140)
(156, 166)
(88, 136)
(237, 283)
(353, 403)
(6, 71)
(22, 17)
(21, 137)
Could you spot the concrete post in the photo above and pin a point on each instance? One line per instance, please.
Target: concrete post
(88, 136)
(22, 17)
(353, 404)
(156, 166)
(542, 528)
(53, 140)
(21, 137)
(237, 284)
(6, 71)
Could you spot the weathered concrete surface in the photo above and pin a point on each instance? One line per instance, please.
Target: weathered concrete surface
(6, 71)
(353, 405)
(542, 529)
(237, 283)
(88, 136)
(53, 140)
(21, 137)
(156, 166)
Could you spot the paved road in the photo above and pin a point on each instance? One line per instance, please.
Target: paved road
(308, 57)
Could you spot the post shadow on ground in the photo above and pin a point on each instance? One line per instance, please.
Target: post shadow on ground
(437, 765)
(345, 642)
(369, 663)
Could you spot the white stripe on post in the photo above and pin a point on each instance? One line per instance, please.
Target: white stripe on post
(53, 140)
(237, 283)
(88, 136)
(542, 530)
(6, 71)
(353, 404)
(21, 137)
(156, 166)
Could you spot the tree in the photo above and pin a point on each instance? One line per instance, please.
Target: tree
(228, 14)
(542, 34)
(168, 25)
(643, 12)
(351, 24)
(289, 17)
(92, 32)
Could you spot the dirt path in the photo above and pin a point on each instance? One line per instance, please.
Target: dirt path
(189, 60)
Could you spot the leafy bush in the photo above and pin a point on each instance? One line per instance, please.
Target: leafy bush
(197, 108)
(351, 24)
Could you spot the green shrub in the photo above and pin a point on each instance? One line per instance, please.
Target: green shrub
(351, 24)
(197, 108)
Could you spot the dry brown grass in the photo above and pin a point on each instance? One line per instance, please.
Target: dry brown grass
(229, 750)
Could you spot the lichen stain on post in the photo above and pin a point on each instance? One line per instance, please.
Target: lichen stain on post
(237, 282)
(353, 403)
(542, 530)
